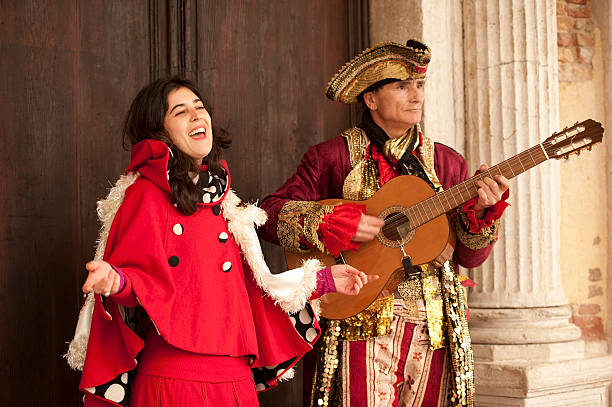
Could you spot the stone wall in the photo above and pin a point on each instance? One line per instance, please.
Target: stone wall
(576, 40)
(583, 233)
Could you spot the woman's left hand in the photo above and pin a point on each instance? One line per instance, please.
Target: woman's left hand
(349, 280)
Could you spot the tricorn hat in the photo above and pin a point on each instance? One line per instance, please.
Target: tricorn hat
(385, 61)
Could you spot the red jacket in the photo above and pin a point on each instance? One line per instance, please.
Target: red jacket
(189, 276)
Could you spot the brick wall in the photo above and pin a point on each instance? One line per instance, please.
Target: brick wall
(575, 39)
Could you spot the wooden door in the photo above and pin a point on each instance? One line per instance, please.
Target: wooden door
(68, 71)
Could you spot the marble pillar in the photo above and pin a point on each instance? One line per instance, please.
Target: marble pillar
(492, 92)
(527, 352)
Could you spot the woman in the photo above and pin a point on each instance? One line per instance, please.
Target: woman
(218, 320)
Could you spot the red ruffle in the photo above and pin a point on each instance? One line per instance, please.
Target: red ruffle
(385, 170)
(492, 213)
(338, 228)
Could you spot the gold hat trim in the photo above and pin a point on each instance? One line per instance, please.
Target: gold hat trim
(387, 60)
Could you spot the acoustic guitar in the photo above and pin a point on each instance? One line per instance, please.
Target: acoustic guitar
(416, 223)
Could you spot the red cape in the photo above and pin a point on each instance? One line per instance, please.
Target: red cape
(176, 267)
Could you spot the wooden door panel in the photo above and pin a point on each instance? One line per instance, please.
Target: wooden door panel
(69, 70)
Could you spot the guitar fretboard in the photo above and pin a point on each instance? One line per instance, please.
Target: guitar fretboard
(442, 202)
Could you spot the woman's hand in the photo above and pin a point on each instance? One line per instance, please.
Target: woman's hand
(102, 278)
(490, 191)
(349, 280)
(368, 228)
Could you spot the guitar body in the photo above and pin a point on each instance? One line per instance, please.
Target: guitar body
(380, 256)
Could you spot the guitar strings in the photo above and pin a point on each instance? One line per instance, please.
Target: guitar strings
(401, 218)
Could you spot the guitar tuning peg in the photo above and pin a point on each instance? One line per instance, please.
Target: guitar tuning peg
(589, 148)
(566, 157)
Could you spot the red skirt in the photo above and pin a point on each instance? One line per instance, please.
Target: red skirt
(168, 376)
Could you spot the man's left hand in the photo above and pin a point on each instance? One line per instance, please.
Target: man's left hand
(490, 191)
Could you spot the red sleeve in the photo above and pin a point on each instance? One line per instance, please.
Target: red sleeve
(492, 214)
(320, 175)
(135, 245)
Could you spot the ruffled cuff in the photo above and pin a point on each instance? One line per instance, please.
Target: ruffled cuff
(338, 228)
(492, 213)
(325, 283)
(298, 224)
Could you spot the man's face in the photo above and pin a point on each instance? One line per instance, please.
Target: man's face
(397, 106)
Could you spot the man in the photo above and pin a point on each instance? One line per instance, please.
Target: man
(411, 348)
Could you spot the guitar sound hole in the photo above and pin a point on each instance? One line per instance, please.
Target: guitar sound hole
(396, 226)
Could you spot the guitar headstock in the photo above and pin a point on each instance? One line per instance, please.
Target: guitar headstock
(574, 139)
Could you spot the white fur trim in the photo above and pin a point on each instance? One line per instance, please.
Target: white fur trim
(288, 375)
(107, 208)
(291, 289)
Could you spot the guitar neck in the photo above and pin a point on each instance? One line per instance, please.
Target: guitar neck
(444, 201)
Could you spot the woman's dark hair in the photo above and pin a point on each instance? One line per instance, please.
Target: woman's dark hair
(145, 120)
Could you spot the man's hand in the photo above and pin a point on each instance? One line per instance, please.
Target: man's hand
(490, 191)
(368, 228)
(102, 278)
(349, 280)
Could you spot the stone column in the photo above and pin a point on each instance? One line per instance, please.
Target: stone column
(439, 26)
(526, 351)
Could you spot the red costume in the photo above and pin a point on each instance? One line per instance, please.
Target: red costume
(372, 340)
(395, 351)
(206, 306)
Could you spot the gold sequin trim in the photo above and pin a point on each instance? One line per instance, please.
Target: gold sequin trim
(324, 380)
(289, 228)
(370, 183)
(357, 143)
(461, 393)
(487, 236)
(434, 306)
(374, 321)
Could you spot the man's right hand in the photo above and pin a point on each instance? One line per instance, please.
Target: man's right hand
(368, 228)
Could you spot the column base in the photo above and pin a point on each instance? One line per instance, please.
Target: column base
(529, 383)
(522, 325)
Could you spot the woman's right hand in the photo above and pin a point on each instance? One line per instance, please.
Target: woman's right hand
(368, 228)
(349, 280)
(102, 278)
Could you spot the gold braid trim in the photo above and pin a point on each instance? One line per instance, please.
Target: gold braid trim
(301, 218)
(312, 219)
(487, 236)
